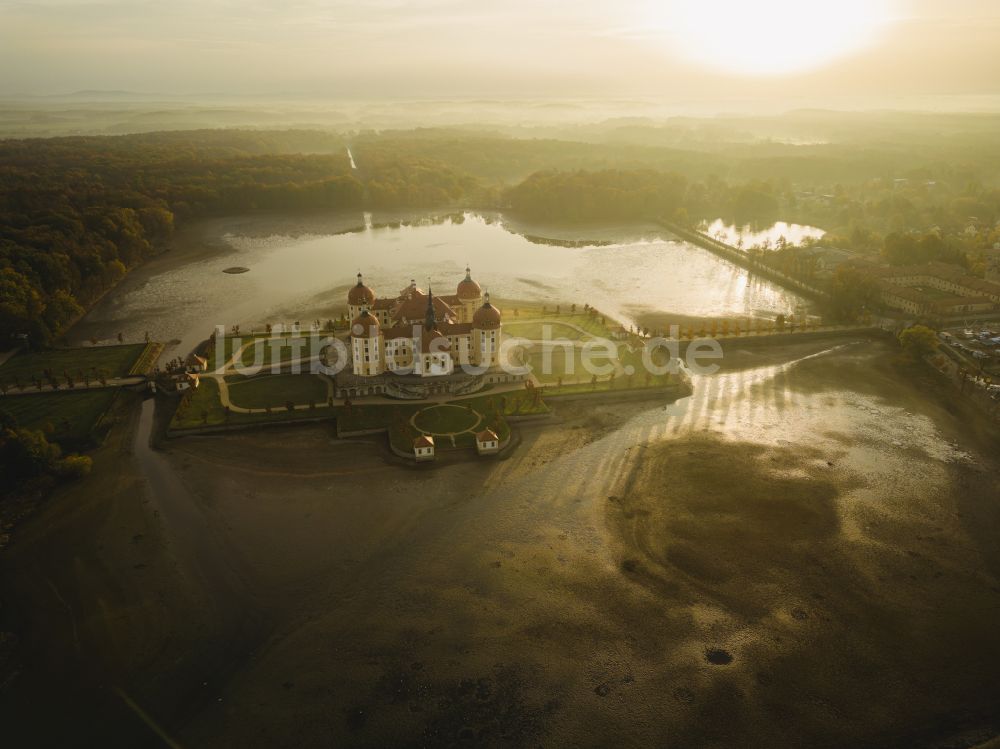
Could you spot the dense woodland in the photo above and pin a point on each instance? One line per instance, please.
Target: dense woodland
(77, 212)
(637, 195)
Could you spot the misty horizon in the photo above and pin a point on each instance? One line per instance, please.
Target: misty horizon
(895, 48)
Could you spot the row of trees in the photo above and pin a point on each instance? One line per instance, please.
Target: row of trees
(638, 194)
(77, 213)
(874, 216)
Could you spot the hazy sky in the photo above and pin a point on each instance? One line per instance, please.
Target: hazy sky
(529, 48)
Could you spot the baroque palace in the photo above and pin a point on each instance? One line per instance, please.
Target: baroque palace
(417, 344)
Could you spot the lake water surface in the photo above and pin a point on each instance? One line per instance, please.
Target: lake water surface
(303, 275)
(757, 235)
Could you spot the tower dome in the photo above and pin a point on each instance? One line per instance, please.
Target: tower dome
(360, 294)
(487, 317)
(467, 288)
(364, 325)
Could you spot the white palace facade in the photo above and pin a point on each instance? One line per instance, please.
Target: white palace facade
(417, 344)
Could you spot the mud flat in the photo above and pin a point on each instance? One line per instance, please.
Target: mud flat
(803, 553)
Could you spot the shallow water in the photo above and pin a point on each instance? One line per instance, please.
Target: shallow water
(307, 275)
(767, 405)
(753, 235)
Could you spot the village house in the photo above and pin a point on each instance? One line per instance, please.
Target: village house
(936, 289)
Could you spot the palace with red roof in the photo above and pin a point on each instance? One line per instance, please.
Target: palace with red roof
(418, 333)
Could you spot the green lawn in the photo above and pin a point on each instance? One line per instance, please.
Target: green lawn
(229, 345)
(113, 361)
(265, 350)
(396, 418)
(68, 417)
(205, 409)
(402, 434)
(523, 403)
(202, 407)
(544, 330)
(567, 364)
(591, 324)
(446, 419)
(276, 390)
(362, 415)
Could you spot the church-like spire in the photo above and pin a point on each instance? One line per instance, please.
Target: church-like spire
(429, 322)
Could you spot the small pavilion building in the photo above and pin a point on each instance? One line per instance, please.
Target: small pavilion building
(423, 448)
(487, 442)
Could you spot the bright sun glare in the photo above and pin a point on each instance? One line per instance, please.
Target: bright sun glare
(772, 37)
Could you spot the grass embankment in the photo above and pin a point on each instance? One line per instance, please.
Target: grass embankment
(530, 315)
(563, 371)
(147, 360)
(618, 384)
(78, 363)
(68, 417)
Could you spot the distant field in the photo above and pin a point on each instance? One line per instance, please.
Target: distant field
(113, 361)
(67, 416)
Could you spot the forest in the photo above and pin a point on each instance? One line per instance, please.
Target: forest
(639, 194)
(76, 213)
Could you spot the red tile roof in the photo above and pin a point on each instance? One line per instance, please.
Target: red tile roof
(415, 308)
(433, 342)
